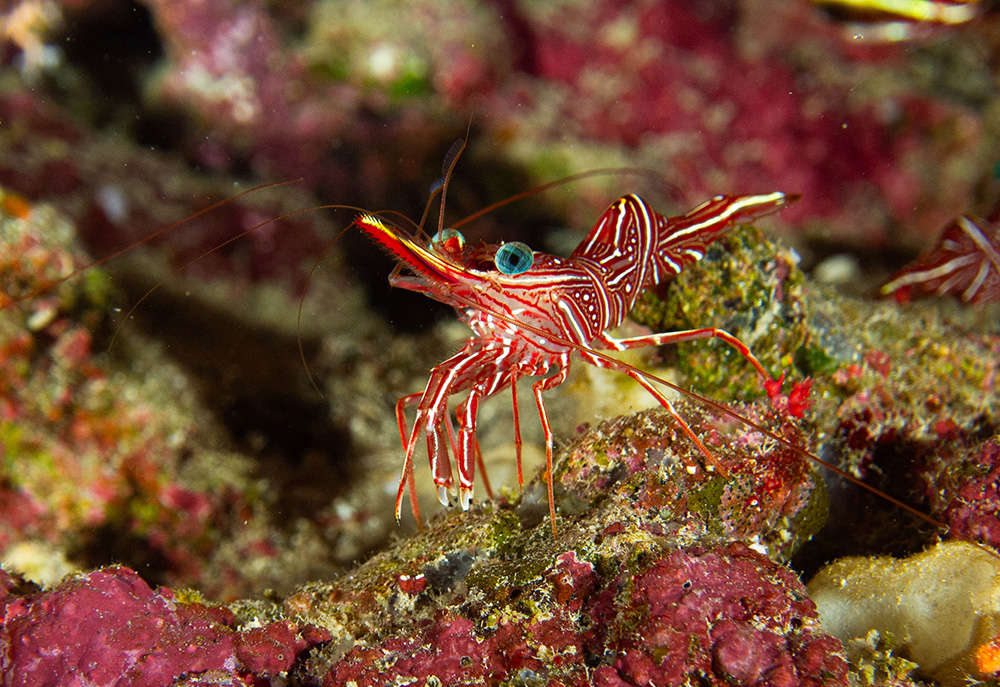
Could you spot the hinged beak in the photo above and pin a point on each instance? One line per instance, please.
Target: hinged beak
(427, 264)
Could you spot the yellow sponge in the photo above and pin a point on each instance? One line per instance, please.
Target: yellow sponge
(942, 605)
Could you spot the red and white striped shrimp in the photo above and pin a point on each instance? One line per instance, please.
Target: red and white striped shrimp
(529, 311)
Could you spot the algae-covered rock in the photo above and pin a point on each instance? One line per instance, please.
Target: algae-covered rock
(633, 494)
(113, 456)
(712, 614)
(904, 398)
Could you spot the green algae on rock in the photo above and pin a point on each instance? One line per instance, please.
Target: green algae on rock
(489, 596)
(747, 285)
(110, 456)
(900, 396)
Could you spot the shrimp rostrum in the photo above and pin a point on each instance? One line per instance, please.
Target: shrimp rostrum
(530, 311)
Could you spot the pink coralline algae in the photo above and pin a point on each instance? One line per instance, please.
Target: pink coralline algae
(730, 615)
(715, 616)
(456, 650)
(973, 484)
(729, 96)
(706, 95)
(110, 628)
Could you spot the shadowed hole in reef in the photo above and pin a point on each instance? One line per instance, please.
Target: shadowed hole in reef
(111, 543)
(862, 523)
(251, 378)
(113, 46)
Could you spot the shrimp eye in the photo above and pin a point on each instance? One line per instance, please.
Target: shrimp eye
(449, 241)
(514, 258)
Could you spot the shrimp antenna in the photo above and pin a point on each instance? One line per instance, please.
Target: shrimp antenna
(602, 171)
(440, 185)
(146, 239)
(436, 188)
(450, 160)
(225, 243)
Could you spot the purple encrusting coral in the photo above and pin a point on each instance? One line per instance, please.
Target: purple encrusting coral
(968, 499)
(718, 616)
(110, 628)
(730, 614)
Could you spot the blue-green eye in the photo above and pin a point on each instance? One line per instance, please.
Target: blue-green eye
(514, 258)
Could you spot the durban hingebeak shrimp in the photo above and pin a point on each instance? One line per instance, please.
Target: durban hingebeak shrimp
(530, 311)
